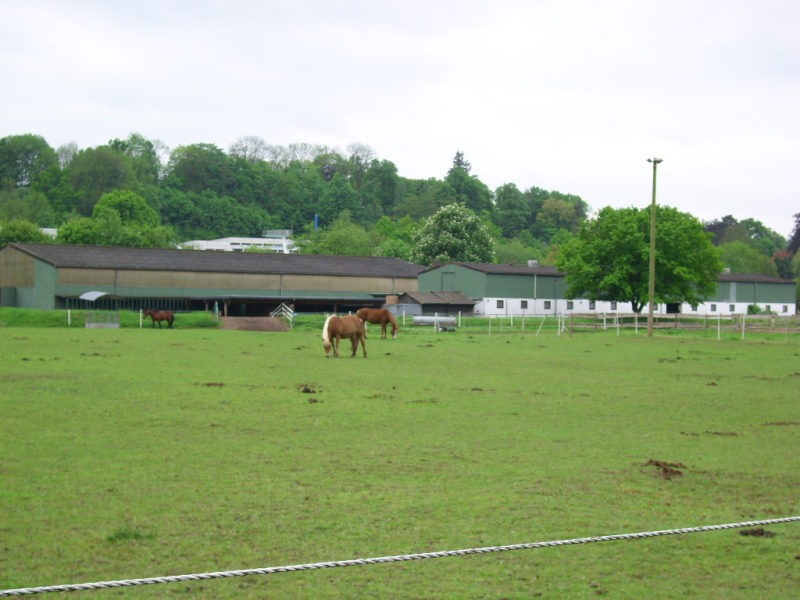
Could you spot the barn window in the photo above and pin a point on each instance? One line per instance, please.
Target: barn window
(769, 308)
(547, 304)
(694, 307)
(713, 308)
(524, 304)
(613, 306)
(591, 305)
(785, 308)
(732, 308)
(500, 304)
(570, 305)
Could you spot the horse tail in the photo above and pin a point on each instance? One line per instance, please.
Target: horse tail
(326, 338)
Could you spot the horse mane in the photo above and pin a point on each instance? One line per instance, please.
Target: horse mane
(325, 335)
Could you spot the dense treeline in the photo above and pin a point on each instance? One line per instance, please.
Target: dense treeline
(135, 191)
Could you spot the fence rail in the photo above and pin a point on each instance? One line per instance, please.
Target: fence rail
(736, 323)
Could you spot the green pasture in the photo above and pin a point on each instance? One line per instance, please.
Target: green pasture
(136, 453)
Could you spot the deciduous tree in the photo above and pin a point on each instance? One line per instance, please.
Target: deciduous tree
(21, 230)
(24, 157)
(130, 207)
(454, 233)
(609, 258)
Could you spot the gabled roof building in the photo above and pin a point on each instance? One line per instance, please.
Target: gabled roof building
(503, 290)
(48, 276)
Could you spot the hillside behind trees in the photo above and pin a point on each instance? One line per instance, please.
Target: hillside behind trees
(363, 204)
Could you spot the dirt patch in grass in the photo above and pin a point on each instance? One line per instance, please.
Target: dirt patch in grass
(252, 324)
(758, 532)
(666, 470)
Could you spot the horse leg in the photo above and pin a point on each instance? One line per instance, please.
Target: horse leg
(363, 346)
(383, 330)
(336, 340)
(354, 345)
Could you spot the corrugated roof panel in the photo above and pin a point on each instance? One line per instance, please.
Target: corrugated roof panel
(109, 257)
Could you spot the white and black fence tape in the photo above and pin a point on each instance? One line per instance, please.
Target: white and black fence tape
(384, 559)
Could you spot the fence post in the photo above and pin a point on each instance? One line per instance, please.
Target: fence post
(541, 325)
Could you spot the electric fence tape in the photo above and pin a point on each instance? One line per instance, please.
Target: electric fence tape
(384, 559)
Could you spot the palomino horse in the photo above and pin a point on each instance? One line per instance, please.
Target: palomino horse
(348, 327)
(378, 315)
(158, 316)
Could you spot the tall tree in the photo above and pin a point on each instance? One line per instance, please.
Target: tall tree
(143, 157)
(337, 197)
(24, 157)
(609, 258)
(718, 227)
(454, 233)
(95, 171)
(380, 186)
(459, 162)
(251, 148)
(56, 185)
(360, 158)
(741, 257)
(66, 152)
(198, 168)
(511, 210)
(470, 190)
(130, 207)
(794, 239)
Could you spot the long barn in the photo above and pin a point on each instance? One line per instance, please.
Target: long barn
(51, 276)
(502, 290)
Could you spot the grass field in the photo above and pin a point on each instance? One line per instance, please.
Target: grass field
(138, 453)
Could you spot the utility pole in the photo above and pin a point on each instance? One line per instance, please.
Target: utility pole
(652, 286)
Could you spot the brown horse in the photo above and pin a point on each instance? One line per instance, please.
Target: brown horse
(378, 315)
(158, 316)
(348, 327)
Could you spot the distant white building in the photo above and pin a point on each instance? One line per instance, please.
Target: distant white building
(274, 240)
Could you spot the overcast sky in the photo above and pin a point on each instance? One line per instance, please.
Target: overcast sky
(564, 95)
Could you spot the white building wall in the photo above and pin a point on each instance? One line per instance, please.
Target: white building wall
(492, 307)
(282, 245)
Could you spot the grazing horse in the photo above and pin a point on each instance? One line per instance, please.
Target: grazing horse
(158, 316)
(348, 327)
(378, 315)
